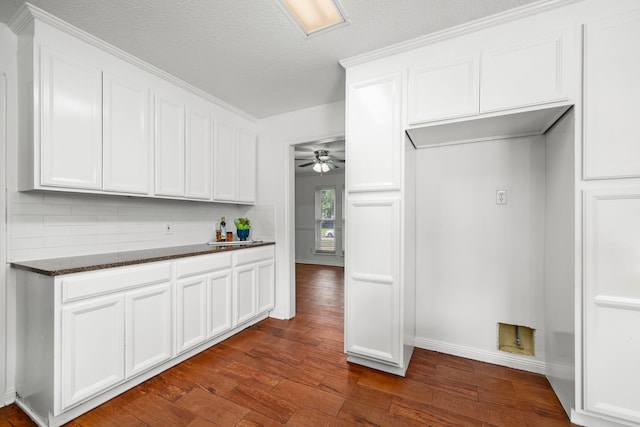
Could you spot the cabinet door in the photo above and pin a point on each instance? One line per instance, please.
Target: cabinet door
(169, 123)
(148, 328)
(126, 136)
(612, 303)
(246, 170)
(266, 286)
(444, 91)
(374, 134)
(612, 90)
(92, 338)
(244, 293)
(220, 302)
(527, 73)
(71, 122)
(199, 146)
(224, 163)
(373, 317)
(191, 311)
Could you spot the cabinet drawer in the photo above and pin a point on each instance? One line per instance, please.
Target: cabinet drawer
(247, 256)
(83, 285)
(203, 264)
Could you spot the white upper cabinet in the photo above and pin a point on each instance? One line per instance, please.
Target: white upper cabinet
(444, 90)
(199, 148)
(96, 120)
(611, 93)
(246, 167)
(234, 164)
(71, 119)
(374, 134)
(169, 146)
(224, 163)
(126, 135)
(523, 74)
(493, 77)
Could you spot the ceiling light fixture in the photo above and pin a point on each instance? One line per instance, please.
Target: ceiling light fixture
(314, 16)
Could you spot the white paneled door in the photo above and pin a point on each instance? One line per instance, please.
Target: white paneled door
(220, 302)
(612, 303)
(92, 348)
(612, 90)
(169, 146)
(126, 135)
(199, 146)
(373, 328)
(374, 134)
(148, 325)
(191, 312)
(444, 90)
(71, 122)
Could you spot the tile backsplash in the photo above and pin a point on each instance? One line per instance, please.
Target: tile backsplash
(51, 225)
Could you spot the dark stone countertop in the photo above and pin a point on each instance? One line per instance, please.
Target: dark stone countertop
(68, 265)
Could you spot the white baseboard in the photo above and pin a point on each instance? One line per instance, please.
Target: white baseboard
(9, 397)
(583, 418)
(524, 363)
(280, 315)
(338, 263)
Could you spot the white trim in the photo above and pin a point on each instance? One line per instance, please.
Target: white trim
(289, 219)
(28, 12)
(583, 418)
(459, 30)
(9, 396)
(525, 363)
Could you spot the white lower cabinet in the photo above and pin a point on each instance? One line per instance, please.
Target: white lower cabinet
(219, 302)
(148, 328)
(245, 293)
(92, 346)
(252, 283)
(204, 290)
(191, 309)
(85, 337)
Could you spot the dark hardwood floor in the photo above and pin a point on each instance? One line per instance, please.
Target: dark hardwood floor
(295, 372)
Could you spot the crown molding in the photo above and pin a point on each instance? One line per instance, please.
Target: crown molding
(457, 31)
(28, 12)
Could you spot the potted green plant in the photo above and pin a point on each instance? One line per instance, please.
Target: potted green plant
(243, 226)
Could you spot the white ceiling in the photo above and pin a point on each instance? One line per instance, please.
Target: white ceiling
(246, 52)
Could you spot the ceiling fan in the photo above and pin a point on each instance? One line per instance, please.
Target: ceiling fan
(322, 162)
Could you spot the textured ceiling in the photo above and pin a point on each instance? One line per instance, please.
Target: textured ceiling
(246, 52)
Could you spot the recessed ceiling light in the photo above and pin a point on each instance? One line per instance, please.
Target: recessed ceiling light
(314, 16)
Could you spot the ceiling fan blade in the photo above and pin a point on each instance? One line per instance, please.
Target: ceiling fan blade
(338, 160)
(304, 165)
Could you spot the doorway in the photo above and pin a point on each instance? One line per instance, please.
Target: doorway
(3, 237)
(320, 238)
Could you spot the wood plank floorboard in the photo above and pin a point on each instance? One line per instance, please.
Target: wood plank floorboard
(294, 372)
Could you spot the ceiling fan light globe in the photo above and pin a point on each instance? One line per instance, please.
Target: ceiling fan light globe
(325, 167)
(317, 167)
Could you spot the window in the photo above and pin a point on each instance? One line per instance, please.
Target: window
(326, 220)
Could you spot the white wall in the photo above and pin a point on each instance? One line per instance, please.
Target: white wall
(8, 45)
(559, 260)
(276, 137)
(479, 263)
(305, 217)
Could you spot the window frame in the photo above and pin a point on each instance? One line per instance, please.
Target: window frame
(318, 220)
